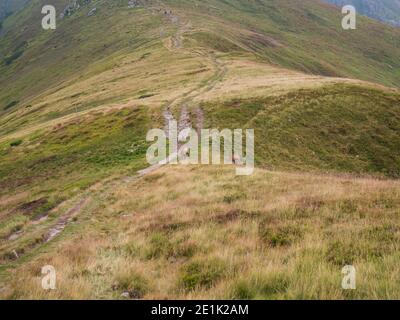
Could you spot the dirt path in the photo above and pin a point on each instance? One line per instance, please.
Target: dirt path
(198, 111)
(61, 223)
(184, 120)
(65, 219)
(185, 103)
(168, 117)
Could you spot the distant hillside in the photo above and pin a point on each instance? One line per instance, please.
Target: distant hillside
(9, 6)
(300, 35)
(383, 10)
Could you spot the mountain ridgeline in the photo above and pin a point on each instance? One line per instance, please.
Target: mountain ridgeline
(300, 35)
(383, 10)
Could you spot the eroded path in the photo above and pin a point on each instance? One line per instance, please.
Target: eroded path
(65, 219)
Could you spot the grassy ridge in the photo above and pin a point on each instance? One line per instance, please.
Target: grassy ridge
(302, 35)
(342, 127)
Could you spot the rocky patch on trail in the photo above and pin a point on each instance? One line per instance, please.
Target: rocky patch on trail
(198, 111)
(92, 12)
(73, 7)
(134, 4)
(184, 120)
(168, 117)
(15, 235)
(64, 220)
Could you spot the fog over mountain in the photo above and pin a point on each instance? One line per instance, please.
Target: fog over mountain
(384, 10)
(9, 6)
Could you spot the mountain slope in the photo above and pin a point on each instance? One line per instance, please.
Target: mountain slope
(305, 36)
(383, 10)
(76, 104)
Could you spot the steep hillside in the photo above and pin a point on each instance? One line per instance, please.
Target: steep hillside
(383, 10)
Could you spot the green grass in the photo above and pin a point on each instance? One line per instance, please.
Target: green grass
(260, 287)
(15, 143)
(10, 105)
(280, 236)
(202, 274)
(132, 283)
(96, 143)
(57, 165)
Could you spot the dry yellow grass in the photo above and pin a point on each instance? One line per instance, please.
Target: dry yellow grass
(248, 79)
(201, 232)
